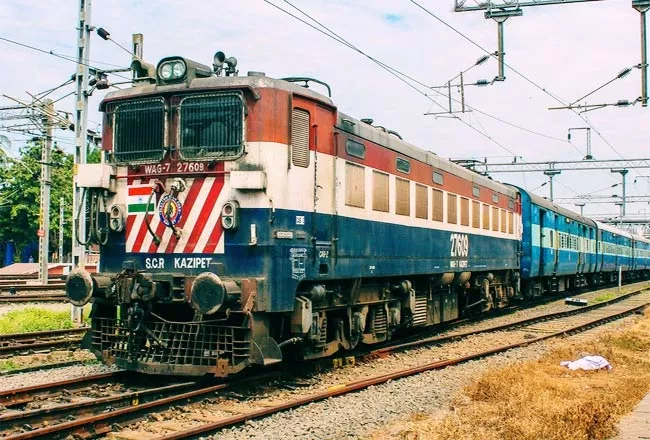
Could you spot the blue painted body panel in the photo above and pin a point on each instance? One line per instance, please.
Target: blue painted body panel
(363, 249)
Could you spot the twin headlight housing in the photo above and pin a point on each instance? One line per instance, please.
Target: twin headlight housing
(172, 70)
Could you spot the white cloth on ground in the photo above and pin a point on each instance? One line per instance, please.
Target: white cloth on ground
(588, 363)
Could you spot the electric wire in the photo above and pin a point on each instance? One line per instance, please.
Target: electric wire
(620, 75)
(64, 57)
(396, 73)
(526, 78)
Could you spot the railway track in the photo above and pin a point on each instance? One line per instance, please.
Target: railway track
(95, 417)
(529, 332)
(20, 291)
(52, 297)
(16, 288)
(17, 343)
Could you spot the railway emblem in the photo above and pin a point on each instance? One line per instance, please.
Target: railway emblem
(298, 257)
(170, 210)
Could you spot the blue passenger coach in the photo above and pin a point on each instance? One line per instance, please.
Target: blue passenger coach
(558, 247)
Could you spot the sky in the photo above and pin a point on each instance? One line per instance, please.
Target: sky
(562, 51)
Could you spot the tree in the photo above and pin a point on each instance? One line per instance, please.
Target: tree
(20, 197)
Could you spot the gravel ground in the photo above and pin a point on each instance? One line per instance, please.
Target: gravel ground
(53, 375)
(55, 307)
(351, 416)
(356, 415)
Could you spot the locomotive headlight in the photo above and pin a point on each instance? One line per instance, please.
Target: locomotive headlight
(116, 222)
(172, 70)
(230, 215)
(179, 69)
(165, 71)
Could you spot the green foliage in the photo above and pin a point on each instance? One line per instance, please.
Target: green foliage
(7, 365)
(20, 196)
(604, 297)
(94, 155)
(33, 320)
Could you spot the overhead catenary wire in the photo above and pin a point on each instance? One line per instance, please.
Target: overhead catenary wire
(333, 35)
(526, 78)
(64, 57)
(623, 73)
(394, 72)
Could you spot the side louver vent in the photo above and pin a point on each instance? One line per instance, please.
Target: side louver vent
(300, 138)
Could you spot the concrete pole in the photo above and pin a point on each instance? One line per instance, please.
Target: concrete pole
(551, 173)
(81, 121)
(61, 223)
(46, 183)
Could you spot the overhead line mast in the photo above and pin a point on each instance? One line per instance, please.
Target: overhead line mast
(500, 11)
(81, 121)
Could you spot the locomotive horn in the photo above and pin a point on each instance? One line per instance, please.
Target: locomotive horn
(231, 62)
(219, 59)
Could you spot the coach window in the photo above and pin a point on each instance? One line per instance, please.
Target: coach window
(437, 178)
(356, 149)
(511, 204)
(495, 198)
(464, 211)
(486, 217)
(402, 196)
(495, 218)
(436, 206)
(355, 185)
(476, 191)
(503, 221)
(476, 214)
(300, 138)
(452, 208)
(403, 165)
(379, 191)
(421, 201)
(511, 223)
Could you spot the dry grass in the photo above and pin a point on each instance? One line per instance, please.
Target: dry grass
(542, 400)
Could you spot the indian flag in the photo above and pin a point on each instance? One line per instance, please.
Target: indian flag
(137, 199)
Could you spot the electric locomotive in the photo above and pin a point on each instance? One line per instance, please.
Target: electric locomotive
(243, 219)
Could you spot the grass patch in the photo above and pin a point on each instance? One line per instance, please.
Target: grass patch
(542, 400)
(604, 297)
(33, 320)
(8, 365)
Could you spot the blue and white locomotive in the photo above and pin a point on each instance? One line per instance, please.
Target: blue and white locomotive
(247, 218)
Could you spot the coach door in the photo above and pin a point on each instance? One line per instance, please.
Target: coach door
(542, 241)
(581, 249)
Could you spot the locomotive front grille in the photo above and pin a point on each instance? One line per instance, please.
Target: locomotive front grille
(139, 130)
(174, 345)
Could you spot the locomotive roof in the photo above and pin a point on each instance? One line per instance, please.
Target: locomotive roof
(382, 137)
(250, 82)
(359, 128)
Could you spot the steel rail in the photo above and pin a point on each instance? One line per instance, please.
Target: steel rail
(16, 342)
(512, 325)
(99, 424)
(47, 415)
(30, 287)
(363, 384)
(33, 298)
(19, 396)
